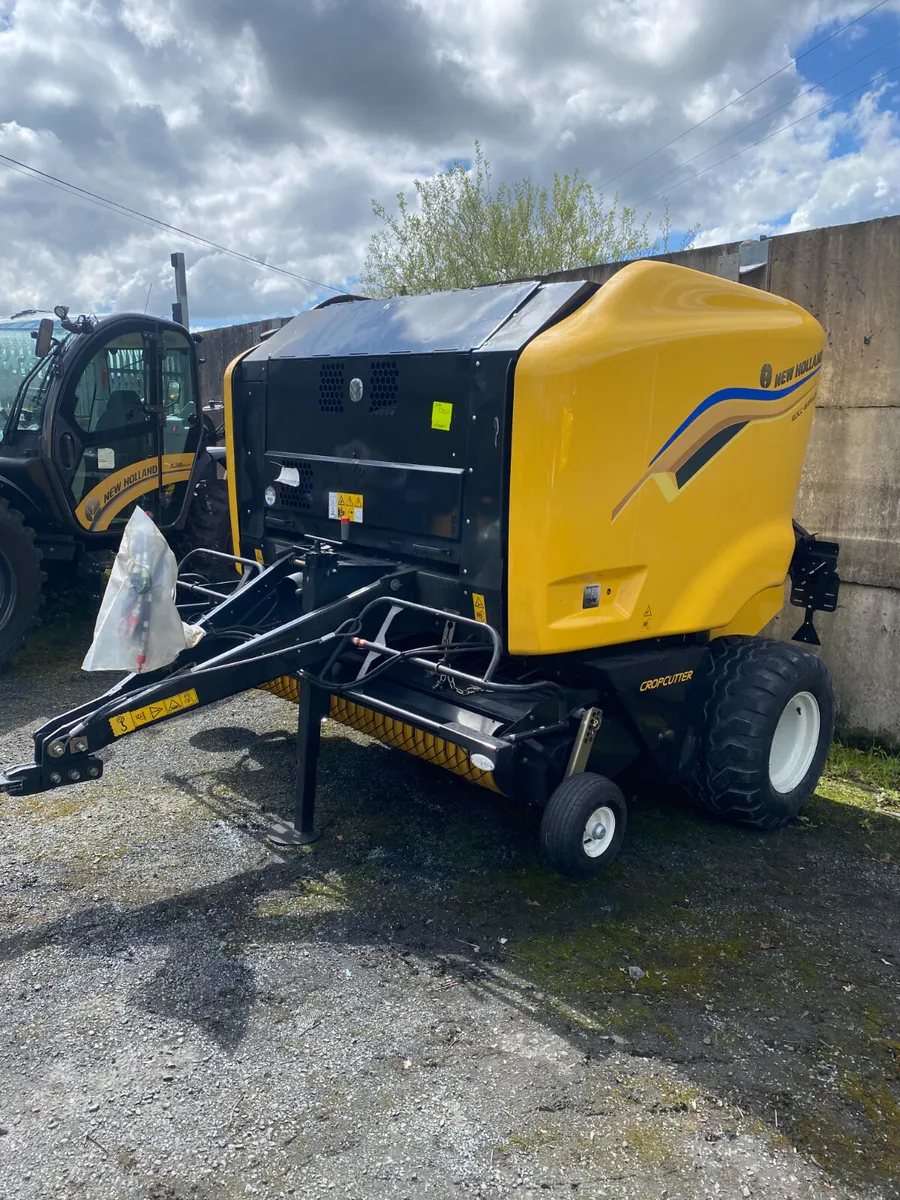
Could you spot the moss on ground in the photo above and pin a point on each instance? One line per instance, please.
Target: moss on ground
(873, 767)
(648, 1143)
(47, 806)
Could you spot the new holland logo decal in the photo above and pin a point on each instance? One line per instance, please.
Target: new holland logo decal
(721, 417)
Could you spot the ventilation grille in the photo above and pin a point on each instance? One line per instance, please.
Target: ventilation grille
(331, 387)
(299, 498)
(383, 387)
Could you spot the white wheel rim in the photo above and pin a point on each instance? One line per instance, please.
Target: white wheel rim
(795, 742)
(599, 832)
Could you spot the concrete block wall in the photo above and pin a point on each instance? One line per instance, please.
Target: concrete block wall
(846, 276)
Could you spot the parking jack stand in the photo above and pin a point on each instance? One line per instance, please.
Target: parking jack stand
(302, 831)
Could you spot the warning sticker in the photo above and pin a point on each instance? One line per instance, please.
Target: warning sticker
(128, 722)
(345, 506)
(479, 606)
(122, 724)
(441, 415)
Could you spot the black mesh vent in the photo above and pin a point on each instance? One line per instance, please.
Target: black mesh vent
(383, 386)
(297, 497)
(331, 387)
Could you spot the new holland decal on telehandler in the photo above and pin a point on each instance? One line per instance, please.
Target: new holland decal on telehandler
(529, 533)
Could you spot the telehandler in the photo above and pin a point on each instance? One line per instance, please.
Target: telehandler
(528, 532)
(96, 416)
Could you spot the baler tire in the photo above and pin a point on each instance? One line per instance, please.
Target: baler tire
(21, 581)
(580, 802)
(767, 729)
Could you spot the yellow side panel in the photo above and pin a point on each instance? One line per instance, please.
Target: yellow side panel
(106, 499)
(658, 438)
(230, 454)
(755, 614)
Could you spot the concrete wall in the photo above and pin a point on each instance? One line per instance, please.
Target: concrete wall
(846, 276)
(746, 262)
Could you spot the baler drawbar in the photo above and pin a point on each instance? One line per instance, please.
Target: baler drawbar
(339, 646)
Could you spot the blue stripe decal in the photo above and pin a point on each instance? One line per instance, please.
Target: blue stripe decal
(734, 393)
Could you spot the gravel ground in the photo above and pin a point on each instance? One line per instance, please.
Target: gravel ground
(413, 1007)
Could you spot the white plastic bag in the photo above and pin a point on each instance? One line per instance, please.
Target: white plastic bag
(138, 627)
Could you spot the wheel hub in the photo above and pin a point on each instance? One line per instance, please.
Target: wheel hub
(598, 832)
(794, 743)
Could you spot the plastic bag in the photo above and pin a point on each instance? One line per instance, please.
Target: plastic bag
(138, 627)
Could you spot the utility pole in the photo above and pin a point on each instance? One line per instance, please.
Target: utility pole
(180, 307)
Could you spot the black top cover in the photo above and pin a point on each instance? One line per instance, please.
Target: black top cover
(443, 321)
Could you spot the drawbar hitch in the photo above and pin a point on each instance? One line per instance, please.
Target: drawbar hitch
(252, 637)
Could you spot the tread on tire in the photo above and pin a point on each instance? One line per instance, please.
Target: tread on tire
(564, 820)
(22, 563)
(752, 680)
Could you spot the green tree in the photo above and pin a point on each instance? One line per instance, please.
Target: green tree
(464, 232)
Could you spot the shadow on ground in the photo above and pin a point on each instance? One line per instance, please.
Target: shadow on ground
(765, 966)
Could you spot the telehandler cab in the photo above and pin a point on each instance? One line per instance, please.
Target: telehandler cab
(529, 533)
(94, 418)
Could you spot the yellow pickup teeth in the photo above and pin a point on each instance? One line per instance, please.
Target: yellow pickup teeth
(393, 733)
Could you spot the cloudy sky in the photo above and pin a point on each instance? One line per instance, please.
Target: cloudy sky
(269, 127)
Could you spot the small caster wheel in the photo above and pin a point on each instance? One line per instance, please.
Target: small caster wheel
(583, 825)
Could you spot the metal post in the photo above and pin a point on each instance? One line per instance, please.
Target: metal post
(310, 713)
(302, 832)
(180, 307)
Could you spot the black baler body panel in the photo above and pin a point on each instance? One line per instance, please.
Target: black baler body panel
(404, 405)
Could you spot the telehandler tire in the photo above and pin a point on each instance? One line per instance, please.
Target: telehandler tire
(208, 526)
(583, 825)
(21, 579)
(768, 723)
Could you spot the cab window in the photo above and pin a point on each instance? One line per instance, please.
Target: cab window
(113, 389)
(178, 392)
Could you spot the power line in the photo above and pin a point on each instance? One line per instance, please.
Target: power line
(73, 189)
(815, 87)
(742, 96)
(774, 133)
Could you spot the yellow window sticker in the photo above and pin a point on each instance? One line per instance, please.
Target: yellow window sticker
(128, 722)
(441, 415)
(345, 506)
(258, 554)
(479, 607)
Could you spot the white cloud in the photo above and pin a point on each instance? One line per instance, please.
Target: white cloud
(270, 128)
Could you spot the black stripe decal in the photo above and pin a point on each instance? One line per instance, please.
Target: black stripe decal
(707, 451)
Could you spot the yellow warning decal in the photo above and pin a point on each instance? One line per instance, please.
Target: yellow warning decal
(479, 606)
(122, 724)
(259, 556)
(441, 415)
(129, 721)
(345, 506)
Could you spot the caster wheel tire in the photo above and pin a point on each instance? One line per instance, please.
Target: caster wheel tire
(583, 826)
